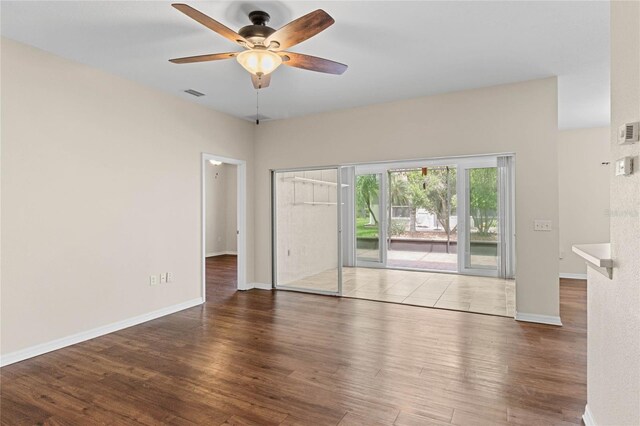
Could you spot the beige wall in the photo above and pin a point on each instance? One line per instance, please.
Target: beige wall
(232, 208)
(613, 378)
(101, 184)
(520, 118)
(221, 209)
(100, 188)
(584, 193)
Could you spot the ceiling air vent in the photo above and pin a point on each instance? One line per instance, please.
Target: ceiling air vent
(194, 92)
(259, 117)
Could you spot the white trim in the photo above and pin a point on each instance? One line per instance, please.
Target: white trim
(241, 219)
(221, 253)
(587, 417)
(573, 276)
(458, 160)
(541, 319)
(260, 286)
(53, 345)
(339, 195)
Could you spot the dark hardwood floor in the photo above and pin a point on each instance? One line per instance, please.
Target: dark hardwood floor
(268, 358)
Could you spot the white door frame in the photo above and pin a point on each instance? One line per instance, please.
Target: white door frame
(241, 212)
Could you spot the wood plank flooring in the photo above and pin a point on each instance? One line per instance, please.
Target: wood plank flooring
(284, 358)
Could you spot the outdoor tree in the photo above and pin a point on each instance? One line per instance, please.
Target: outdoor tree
(440, 187)
(367, 187)
(483, 198)
(417, 197)
(406, 190)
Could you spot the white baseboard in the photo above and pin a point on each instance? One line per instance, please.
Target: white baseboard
(53, 345)
(259, 286)
(573, 276)
(540, 319)
(220, 253)
(587, 417)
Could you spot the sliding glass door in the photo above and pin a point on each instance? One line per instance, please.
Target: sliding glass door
(422, 217)
(481, 221)
(306, 230)
(448, 215)
(438, 215)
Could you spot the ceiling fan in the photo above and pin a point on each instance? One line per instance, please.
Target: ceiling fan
(265, 45)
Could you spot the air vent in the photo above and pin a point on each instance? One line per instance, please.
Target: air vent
(259, 117)
(194, 92)
(629, 133)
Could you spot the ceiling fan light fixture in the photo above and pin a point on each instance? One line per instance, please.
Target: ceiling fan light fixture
(259, 61)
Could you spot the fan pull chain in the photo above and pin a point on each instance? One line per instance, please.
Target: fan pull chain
(257, 107)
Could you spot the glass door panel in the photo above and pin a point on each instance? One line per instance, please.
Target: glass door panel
(423, 220)
(306, 230)
(369, 218)
(481, 248)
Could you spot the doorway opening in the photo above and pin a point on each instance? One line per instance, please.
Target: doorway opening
(418, 212)
(223, 226)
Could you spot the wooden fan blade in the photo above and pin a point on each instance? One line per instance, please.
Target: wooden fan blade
(212, 24)
(204, 58)
(312, 63)
(300, 30)
(261, 82)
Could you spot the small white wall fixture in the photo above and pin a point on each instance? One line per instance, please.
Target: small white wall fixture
(241, 219)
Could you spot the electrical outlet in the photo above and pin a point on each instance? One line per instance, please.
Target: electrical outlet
(163, 278)
(169, 277)
(153, 280)
(542, 225)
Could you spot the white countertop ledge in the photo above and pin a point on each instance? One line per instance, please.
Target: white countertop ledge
(596, 254)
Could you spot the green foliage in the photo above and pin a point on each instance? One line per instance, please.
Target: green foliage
(434, 192)
(483, 198)
(398, 189)
(440, 184)
(406, 190)
(397, 227)
(364, 230)
(367, 190)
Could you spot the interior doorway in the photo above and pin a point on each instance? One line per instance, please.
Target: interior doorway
(223, 225)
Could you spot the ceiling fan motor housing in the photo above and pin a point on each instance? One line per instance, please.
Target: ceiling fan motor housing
(259, 30)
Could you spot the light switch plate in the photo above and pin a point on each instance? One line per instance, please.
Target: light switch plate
(542, 225)
(163, 278)
(153, 280)
(169, 277)
(624, 166)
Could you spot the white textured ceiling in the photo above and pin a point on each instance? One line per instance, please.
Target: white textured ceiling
(395, 50)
